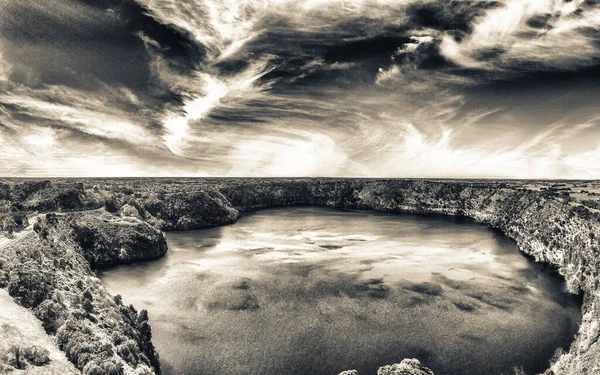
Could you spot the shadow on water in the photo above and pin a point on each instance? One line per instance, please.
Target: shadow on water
(316, 291)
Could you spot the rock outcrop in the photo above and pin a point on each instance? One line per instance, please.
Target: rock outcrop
(108, 240)
(406, 367)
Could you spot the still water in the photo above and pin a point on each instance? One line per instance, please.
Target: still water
(312, 291)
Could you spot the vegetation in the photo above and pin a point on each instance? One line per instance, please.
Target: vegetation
(50, 275)
(107, 240)
(23, 357)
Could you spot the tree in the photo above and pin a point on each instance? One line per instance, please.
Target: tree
(88, 298)
(129, 210)
(111, 204)
(9, 225)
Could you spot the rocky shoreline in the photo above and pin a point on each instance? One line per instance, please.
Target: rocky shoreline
(548, 225)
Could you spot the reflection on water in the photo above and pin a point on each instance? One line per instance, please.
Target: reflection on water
(315, 291)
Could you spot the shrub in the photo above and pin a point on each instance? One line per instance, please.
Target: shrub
(9, 225)
(110, 367)
(111, 205)
(30, 284)
(51, 314)
(88, 306)
(128, 210)
(21, 357)
(3, 279)
(36, 355)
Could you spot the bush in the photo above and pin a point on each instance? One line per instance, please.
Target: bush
(30, 284)
(51, 314)
(3, 279)
(111, 205)
(21, 357)
(128, 210)
(110, 367)
(77, 339)
(9, 225)
(36, 355)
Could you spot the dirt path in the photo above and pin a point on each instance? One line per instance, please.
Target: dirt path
(6, 241)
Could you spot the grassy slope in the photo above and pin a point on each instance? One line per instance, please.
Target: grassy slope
(20, 328)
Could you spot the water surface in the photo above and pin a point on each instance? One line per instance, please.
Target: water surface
(312, 291)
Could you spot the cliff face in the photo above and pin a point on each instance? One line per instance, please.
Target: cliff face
(191, 210)
(546, 225)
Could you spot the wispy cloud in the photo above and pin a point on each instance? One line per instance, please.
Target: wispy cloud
(290, 88)
(528, 35)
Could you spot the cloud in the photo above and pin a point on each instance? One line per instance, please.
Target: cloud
(529, 35)
(302, 154)
(216, 92)
(4, 70)
(291, 88)
(455, 17)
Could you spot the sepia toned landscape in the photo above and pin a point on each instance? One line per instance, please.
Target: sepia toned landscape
(300, 187)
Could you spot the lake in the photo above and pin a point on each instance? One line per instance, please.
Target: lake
(315, 291)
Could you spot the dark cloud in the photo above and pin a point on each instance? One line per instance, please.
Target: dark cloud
(539, 21)
(455, 16)
(429, 289)
(381, 46)
(252, 85)
(78, 43)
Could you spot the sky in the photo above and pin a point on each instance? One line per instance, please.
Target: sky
(291, 88)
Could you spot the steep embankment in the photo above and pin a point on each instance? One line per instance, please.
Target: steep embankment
(48, 271)
(545, 225)
(24, 346)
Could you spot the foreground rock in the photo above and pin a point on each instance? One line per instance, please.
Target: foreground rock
(406, 367)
